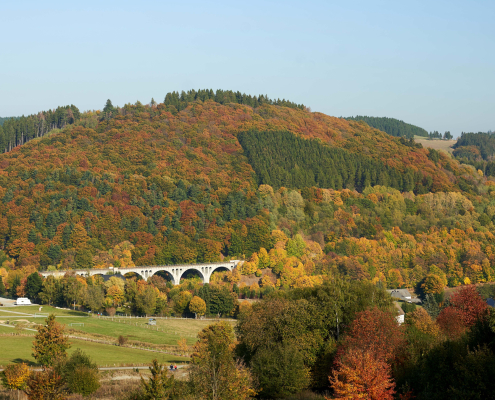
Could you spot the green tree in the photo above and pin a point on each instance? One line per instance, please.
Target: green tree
(49, 291)
(94, 297)
(296, 246)
(50, 343)
(158, 386)
(280, 370)
(2, 287)
(146, 301)
(16, 282)
(34, 285)
(80, 373)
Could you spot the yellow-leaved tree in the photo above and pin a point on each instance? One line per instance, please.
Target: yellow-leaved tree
(214, 372)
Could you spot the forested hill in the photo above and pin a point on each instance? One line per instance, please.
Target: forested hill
(392, 126)
(148, 184)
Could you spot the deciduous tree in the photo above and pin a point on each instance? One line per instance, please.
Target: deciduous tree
(360, 375)
(50, 344)
(214, 373)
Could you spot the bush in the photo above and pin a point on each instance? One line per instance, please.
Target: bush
(84, 381)
(408, 307)
(110, 311)
(122, 340)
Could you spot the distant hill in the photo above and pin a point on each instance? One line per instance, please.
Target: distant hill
(392, 126)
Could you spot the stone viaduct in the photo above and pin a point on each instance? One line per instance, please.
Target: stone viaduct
(174, 272)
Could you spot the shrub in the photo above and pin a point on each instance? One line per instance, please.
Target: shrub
(84, 380)
(122, 340)
(110, 311)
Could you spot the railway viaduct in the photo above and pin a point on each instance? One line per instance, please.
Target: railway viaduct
(174, 272)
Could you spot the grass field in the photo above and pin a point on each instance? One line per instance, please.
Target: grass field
(19, 348)
(436, 144)
(166, 331)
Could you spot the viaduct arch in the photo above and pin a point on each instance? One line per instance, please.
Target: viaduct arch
(175, 271)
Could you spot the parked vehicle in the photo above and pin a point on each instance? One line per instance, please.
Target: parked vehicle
(23, 301)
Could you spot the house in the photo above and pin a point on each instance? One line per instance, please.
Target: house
(404, 295)
(400, 313)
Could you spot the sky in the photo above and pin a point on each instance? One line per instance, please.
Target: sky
(429, 63)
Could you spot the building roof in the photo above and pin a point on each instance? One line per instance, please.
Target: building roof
(400, 293)
(399, 308)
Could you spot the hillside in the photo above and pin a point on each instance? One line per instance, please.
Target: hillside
(153, 185)
(392, 126)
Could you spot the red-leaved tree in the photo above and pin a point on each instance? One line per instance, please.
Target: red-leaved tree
(362, 368)
(470, 304)
(451, 323)
(360, 375)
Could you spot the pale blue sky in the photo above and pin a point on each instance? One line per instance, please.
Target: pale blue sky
(430, 63)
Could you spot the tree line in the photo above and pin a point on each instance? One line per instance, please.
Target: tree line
(392, 126)
(181, 100)
(17, 131)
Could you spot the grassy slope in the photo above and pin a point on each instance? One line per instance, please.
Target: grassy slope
(19, 348)
(169, 330)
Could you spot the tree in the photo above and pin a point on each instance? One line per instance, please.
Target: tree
(146, 300)
(2, 287)
(470, 304)
(94, 297)
(197, 306)
(280, 370)
(49, 291)
(14, 376)
(451, 322)
(159, 385)
(360, 375)
(431, 306)
(80, 373)
(214, 373)
(50, 344)
(376, 332)
(46, 385)
(34, 285)
(433, 284)
(182, 302)
(14, 285)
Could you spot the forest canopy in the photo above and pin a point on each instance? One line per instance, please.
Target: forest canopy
(392, 126)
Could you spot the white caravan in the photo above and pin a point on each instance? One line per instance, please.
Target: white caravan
(23, 301)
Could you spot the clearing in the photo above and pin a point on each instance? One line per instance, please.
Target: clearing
(436, 144)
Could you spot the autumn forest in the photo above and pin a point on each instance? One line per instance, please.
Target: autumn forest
(325, 213)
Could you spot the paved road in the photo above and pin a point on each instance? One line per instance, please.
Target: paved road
(7, 302)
